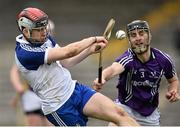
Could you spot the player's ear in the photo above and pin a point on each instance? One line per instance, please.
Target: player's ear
(26, 32)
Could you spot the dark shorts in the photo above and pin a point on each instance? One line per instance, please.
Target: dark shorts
(36, 112)
(71, 113)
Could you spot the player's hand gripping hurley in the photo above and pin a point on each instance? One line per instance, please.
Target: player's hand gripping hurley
(107, 35)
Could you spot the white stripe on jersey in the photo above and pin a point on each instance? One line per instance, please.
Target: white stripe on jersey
(32, 49)
(170, 60)
(126, 60)
(129, 86)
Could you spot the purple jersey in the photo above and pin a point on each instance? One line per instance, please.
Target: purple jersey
(138, 85)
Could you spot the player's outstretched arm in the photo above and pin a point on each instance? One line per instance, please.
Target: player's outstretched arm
(173, 90)
(84, 54)
(107, 74)
(73, 49)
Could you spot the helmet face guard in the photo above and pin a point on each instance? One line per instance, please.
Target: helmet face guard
(135, 25)
(42, 22)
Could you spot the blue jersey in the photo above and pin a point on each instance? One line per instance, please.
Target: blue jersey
(139, 83)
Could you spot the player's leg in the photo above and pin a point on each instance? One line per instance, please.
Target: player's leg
(31, 105)
(151, 120)
(33, 118)
(36, 118)
(71, 112)
(101, 107)
(46, 122)
(86, 102)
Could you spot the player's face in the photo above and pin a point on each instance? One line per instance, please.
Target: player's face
(39, 34)
(139, 40)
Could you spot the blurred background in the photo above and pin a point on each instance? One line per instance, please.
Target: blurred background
(77, 19)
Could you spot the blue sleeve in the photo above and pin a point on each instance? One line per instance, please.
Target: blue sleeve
(30, 57)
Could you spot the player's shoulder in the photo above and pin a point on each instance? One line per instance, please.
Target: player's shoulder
(161, 55)
(21, 44)
(52, 40)
(20, 40)
(126, 57)
(127, 54)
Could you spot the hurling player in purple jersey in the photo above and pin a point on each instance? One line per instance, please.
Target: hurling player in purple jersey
(44, 64)
(140, 70)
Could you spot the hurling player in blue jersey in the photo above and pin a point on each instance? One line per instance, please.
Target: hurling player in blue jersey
(30, 102)
(43, 63)
(140, 70)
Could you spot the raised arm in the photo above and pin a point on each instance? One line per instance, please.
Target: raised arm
(84, 54)
(107, 74)
(73, 49)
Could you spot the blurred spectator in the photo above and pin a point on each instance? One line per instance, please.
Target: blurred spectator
(51, 27)
(31, 103)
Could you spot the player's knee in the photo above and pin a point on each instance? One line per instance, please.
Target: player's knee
(120, 111)
(119, 116)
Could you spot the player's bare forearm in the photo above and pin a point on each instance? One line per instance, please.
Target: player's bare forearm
(173, 84)
(76, 59)
(173, 90)
(107, 74)
(73, 49)
(84, 54)
(112, 71)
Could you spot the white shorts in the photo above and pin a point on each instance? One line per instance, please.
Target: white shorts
(30, 101)
(152, 120)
